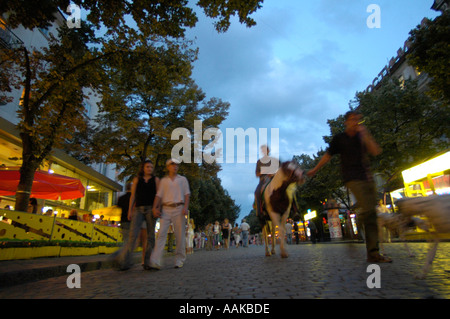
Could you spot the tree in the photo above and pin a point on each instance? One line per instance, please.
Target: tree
(253, 222)
(407, 124)
(168, 18)
(429, 51)
(210, 202)
(143, 102)
(51, 109)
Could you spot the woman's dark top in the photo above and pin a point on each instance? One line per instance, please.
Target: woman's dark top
(145, 192)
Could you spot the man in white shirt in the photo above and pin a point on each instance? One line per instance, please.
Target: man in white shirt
(171, 206)
(245, 228)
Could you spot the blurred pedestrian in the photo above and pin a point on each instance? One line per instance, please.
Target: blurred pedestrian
(288, 232)
(73, 215)
(296, 233)
(226, 233)
(190, 237)
(217, 229)
(171, 206)
(143, 191)
(124, 203)
(32, 206)
(237, 234)
(203, 239)
(354, 144)
(209, 232)
(313, 230)
(244, 231)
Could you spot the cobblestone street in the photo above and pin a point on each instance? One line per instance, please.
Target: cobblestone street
(325, 271)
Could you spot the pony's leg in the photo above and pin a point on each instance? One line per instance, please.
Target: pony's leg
(266, 240)
(282, 229)
(274, 238)
(276, 221)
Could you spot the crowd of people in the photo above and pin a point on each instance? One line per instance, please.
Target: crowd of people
(216, 236)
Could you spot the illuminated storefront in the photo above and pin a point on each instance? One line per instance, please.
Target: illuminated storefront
(428, 178)
(100, 190)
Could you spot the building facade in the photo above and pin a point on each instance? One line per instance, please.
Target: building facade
(398, 66)
(100, 180)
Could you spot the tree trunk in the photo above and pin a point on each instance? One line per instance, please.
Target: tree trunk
(25, 184)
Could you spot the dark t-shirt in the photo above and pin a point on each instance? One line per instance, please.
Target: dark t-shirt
(354, 159)
(145, 192)
(124, 202)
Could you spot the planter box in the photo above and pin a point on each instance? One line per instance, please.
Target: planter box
(78, 251)
(29, 252)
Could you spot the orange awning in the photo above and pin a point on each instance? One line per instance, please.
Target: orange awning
(45, 185)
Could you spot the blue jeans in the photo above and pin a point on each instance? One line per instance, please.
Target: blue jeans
(244, 238)
(124, 256)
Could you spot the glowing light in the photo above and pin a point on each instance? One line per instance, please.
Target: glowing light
(434, 166)
(310, 214)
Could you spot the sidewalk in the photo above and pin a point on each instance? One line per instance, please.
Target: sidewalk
(14, 272)
(332, 270)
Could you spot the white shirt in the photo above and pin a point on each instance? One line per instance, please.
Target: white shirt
(245, 226)
(173, 191)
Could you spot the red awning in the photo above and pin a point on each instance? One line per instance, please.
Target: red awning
(45, 185)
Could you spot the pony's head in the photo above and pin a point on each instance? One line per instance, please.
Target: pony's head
(293, 173)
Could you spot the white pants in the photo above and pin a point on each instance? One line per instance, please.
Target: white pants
(171, 215)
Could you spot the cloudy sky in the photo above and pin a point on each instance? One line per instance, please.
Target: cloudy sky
(298, 67)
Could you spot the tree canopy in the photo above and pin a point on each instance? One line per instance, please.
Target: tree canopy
(147, 61)
(408, 125)
(429, 51)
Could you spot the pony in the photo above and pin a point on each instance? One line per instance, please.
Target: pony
(277, 197)
(436, 209)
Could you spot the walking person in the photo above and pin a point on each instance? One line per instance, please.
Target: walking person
(209, 232)
(354, 144)
(296, 233)
(216, 230)
(124, 203)
(190, 237)
(313, 230)
(226, 232)
(244, 231)
(171, 206)
(289, 232)
(237, 235)
(143, 191)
